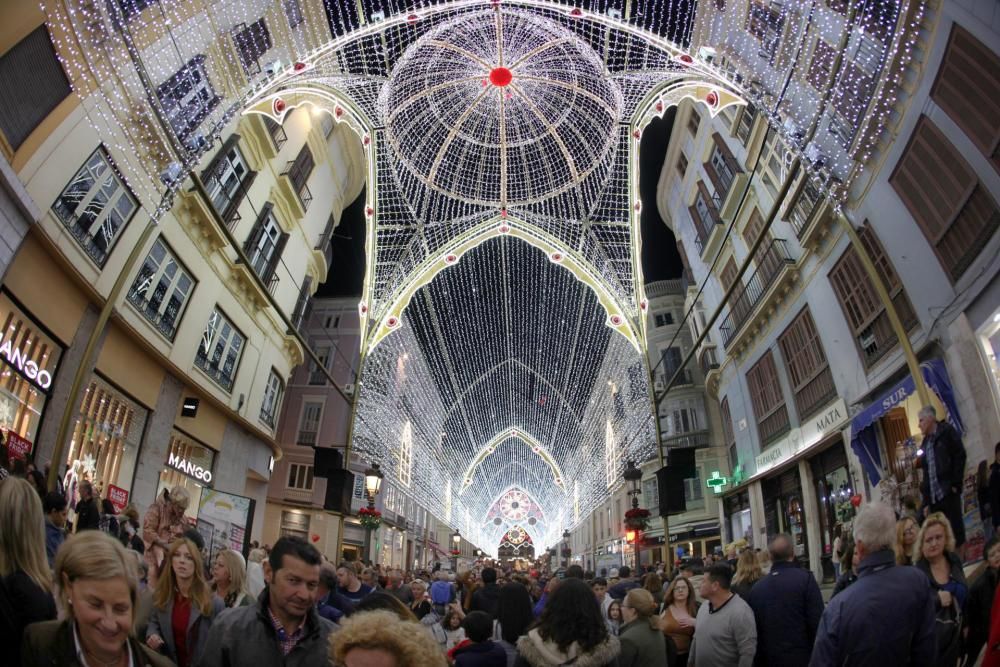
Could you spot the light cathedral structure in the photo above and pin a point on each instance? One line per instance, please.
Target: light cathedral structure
(503, 314)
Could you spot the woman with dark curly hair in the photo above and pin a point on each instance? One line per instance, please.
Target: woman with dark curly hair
(570, 630)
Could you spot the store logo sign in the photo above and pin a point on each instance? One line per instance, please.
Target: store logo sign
(189, 468)
(27, 367)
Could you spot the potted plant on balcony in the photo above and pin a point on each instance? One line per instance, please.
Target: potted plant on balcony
(370, 517)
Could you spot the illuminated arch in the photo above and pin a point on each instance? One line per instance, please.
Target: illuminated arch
(536, 447)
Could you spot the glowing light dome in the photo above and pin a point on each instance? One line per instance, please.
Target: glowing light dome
(500, 108)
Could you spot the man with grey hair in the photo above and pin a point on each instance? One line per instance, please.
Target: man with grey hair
(886, 617)
(943, 461)
(787, 606)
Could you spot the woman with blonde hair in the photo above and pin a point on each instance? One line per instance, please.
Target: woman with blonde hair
(25, 579)
(748, 573)
(97, 591)
(934, 554)
(162, 524)
(229, 579)
(906, 538)
(183, 606)
(381, 637)
(641, 639)
(677, 622)
(255, 572)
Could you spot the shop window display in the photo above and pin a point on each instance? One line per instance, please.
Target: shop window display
(28, 361)
(189, 465)
(107, 435)
(783, 509)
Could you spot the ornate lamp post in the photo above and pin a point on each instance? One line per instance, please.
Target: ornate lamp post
(456, 541)
(565, 547)
(371, 517)
(635, 518)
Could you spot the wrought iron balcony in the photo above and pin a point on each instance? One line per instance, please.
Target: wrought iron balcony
(743, 303)
(707, 360)
(219, 375)
(165, 322)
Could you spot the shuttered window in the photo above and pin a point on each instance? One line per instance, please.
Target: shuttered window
(767, 399)
(252, 41)
(859, 301)
(32, 82)
(693, 120)
(854, 92)
(299, 171)
(682, 164)
(727, 423)
(954, 211)
(265, 244)
(822, 65)
(721, 166)
(806, 363)
(728, 275)
(968, 90)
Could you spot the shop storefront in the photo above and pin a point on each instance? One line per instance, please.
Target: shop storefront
(736, 508)
(783, 508)
(107, 435)
(695, 540)
(885, 435)
(834, 488)
(29, 356)
(189, 464)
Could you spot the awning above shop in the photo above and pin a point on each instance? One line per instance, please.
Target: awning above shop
(694, 530)
(864, 441)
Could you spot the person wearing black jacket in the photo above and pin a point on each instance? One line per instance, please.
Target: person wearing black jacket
(943, 462)
(88, 515)
(487, 597)
(994, 488)
(787, 606)
(976, 620)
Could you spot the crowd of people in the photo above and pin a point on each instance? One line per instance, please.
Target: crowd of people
(114, 592)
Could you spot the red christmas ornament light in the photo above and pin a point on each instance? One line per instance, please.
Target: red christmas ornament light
(501, 76)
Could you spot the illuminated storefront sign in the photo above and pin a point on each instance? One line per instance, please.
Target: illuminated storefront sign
(812, 432)
(189, 468)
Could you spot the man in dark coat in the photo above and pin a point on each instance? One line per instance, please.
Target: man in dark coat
(627, 583)
(488, 597)
(886, 617)
(943, 462)
(787, 606)
(88, 516)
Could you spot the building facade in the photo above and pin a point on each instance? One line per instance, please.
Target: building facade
(816, 402)
(186, 380)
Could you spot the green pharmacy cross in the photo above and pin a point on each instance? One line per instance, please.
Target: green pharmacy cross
(716, 481)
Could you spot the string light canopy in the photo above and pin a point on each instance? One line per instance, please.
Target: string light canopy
(502, 144)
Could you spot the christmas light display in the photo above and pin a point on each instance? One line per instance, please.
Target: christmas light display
(503, 313)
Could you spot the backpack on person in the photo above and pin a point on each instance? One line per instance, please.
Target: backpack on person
(432, 621)
(441, 595)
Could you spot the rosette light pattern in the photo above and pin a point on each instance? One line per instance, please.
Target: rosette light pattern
(500, 109)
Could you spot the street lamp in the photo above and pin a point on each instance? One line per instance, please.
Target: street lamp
(373, 484)
(633, 477)
(456, 540)
(565, 547)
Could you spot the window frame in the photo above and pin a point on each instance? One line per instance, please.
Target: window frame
(274, 390)
(142, 304)
(303, 410)
(25, 51)
(174, 111)
(767, 398)
(69, 218)
(806, 363)
(221, 165)
(301, 477)
(212, 368)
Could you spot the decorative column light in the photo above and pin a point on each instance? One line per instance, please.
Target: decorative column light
(370, 517)
(636, 519)
(456, 540)
(565, 547)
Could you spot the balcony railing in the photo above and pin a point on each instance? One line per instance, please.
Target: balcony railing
(805, 206)
(306, 438)
(705, 223)
(815, 393)
(707, 360)
(743, 302)
(218, 375)
(165, 322)
(692, 439)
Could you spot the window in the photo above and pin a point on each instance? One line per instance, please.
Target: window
(745, 124)
(316, 374)
(765, 259)
(188, 97)
(265, 244)
(682, 164)
(767, 400)
(681, 420)
(805, 361)
(862, 308)
(727, 423)
(293, 12)
(801, 213)
(298, 173)
(728, 275)
(721, 167)
(300, 314)
(664, 319)
(300, 476)
(276, 131)
(309, 423)
(650, 493)
(855, 88)
(693, 121)
(764, 21)
(692, 489)
(161, 289)
(953, 209)
(33, 84)
(405, 455)
(774, 162)
(95, 207)
(228, 178)
(294, 524)
(132, 8)
(704, 214)
(611, 455)
(670, 359)
(822, 64)
(272, 399)
(968, 90)
(252, 41)
(220, 349)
